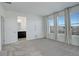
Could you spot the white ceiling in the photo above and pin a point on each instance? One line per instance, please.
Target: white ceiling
(39, 8)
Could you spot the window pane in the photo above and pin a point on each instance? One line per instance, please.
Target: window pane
(51, 25)
(50, 22)
(75, 23)
(61, 24)
(61, 21)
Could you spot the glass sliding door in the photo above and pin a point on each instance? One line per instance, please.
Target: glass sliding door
(61, 28)
(74, 18)
(51, 28)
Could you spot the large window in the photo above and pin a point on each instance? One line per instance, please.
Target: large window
(51, 25)
(61, 24)
(75, 23)
(65, 25)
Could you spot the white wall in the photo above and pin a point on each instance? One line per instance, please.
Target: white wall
(1, 14)
(10, 27)
(0, 34)
(21, 23)
(34, 26)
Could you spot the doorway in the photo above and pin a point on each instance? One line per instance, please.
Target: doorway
(21, 20)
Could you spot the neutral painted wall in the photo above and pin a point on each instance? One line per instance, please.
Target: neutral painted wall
(22, 24)
(1, 14)
(10, 27)
(0, 34)
(34, 26)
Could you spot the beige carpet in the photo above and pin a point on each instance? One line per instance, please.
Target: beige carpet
(39, 47)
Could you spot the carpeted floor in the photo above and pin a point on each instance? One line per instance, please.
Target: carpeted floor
(39, 47)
